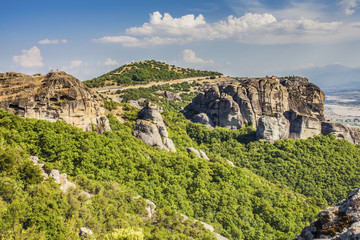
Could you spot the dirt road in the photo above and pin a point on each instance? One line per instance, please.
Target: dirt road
(115, 88)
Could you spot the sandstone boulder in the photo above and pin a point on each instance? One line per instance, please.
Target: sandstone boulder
(199, 154)
(85, 233)
(151, 129)
(172, 96)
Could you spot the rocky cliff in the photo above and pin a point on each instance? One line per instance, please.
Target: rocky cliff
(278, 108)
(52, 97)
(151, 129)
(341, 222)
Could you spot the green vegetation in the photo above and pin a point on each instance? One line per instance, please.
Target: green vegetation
(321, 167)
(151, 93)
(33, 208)
(275, 190)
(238, 203)
(145, 72)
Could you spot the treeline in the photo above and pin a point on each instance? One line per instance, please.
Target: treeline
(238, 203)
(145, 72)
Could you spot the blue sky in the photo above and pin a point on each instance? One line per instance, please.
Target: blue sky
(236, 37)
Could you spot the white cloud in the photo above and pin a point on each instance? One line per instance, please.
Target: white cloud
(55, 41)
(189, 56)
(29, 58)
(110, 62)
(75, 66)
(349, 6)
(250, 28)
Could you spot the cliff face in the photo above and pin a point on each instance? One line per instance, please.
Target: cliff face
(278, 108)
(55, 96)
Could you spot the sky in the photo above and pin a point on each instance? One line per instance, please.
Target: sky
(87, 38)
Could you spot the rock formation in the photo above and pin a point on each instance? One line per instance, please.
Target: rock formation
(85, 233)
(52, 97)
(278, 108)
(207, 226)
(59, 178)
(341, 222)
(151, 129)
(346, 133)
(199, 154)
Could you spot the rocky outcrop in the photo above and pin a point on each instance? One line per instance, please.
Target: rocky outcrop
(172, 96)
(85, 233)
(278, 108)
(59, 178)
(231, 104)
(341, 222)
(52, 97)
(151, 129)
(199, 154)
(150, 207)
(342, 132)
(207, 226)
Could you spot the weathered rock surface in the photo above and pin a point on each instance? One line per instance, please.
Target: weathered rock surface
(172, 96)
(230, 104)
(52, 97)
(343, 132)
(199, 154)
(278, 108)
(207, 226)
(85, 232)
(151, 129)
(59, 178)
(150, 208)
(341, 222)
(273, 127)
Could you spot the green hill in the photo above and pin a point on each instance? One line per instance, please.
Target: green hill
(145, 72)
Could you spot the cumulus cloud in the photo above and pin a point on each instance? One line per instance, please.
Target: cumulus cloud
(29, 58)
(110, 62)
(349, 6)
(189, 56)
(250, 28)
(54, 41)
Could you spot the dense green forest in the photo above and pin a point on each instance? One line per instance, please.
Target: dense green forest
(321, 167)
(238, 203)
(145, 72)
(33, 208)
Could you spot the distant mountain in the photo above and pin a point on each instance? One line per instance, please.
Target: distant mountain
(145, 72)
(332, 77)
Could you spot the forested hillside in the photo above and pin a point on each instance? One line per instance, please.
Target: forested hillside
(238, 203)
(247, 189)
(145, 72)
